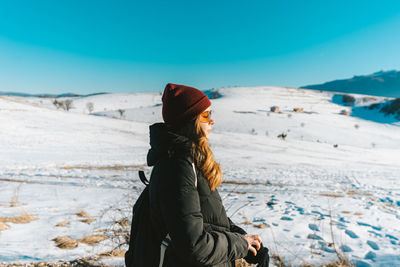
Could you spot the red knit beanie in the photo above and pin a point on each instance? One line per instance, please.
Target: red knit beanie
(182, 104)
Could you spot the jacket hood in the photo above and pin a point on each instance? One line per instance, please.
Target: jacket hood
(164, 142)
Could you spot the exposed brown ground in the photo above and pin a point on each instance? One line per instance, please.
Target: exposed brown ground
(113, 253)
(92, 239)
(242, 263)
(23, 218)
(241, 183)
(123, 222)
(88, 220)
(82, 213)
(3, 226)
(65, 242)
(261, 226)
(62, 224)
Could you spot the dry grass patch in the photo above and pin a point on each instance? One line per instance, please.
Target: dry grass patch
(14, 203)
(116, 253)
(92, 239)
(62, 224)
(354, 192)
(340, 263)
(82, 213)
(123, 222)
(23, 218)
(346, 212)
(242, 263)
(261, 226)
(100, 231)
(14, 199)
(277, 260)
(298, 110)
(331, 195)
(246, 222)
(117, 233)
(240, 183)
(3, 226)
(12, 180)
(88, 220)
(65, 242)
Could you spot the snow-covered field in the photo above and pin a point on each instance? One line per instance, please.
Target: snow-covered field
(329, 182)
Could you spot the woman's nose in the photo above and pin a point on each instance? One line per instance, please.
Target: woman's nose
(212, 121)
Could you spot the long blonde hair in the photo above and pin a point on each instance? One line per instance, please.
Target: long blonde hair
(202, 154)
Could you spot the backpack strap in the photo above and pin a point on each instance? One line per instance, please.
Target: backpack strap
(143, 178)
(167, 240)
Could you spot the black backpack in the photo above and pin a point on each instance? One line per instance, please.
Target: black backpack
(143, 250)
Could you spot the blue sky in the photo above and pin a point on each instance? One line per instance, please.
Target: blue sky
(132, 46)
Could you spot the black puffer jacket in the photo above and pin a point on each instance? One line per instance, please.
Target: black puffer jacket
(194, 216)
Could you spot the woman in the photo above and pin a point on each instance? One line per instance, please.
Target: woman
(185, 205)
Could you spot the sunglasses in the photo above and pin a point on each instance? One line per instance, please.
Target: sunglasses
(205, 116)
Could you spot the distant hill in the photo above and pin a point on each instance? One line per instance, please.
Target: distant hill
(47, 95)
(382, 83)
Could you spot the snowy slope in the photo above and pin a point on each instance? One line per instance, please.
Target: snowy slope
(330, 169)
(101, 102)
(55, 164)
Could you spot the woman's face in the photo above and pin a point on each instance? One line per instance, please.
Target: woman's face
(206, 126)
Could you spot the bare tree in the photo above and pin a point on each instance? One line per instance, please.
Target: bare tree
(121, 112)
(57, 104)
(67, 104)
(90, 107)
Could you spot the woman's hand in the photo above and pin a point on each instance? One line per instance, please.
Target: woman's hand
(253, 240)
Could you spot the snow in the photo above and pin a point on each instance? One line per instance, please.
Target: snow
(332, 183)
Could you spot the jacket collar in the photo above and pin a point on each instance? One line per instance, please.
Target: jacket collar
(163, 142)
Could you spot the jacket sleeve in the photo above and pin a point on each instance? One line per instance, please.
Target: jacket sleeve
(236, 229)
(180, 207)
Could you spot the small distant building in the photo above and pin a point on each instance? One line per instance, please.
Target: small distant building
(345, 112)
(275, 109)
(348, 100)
(298, 110)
